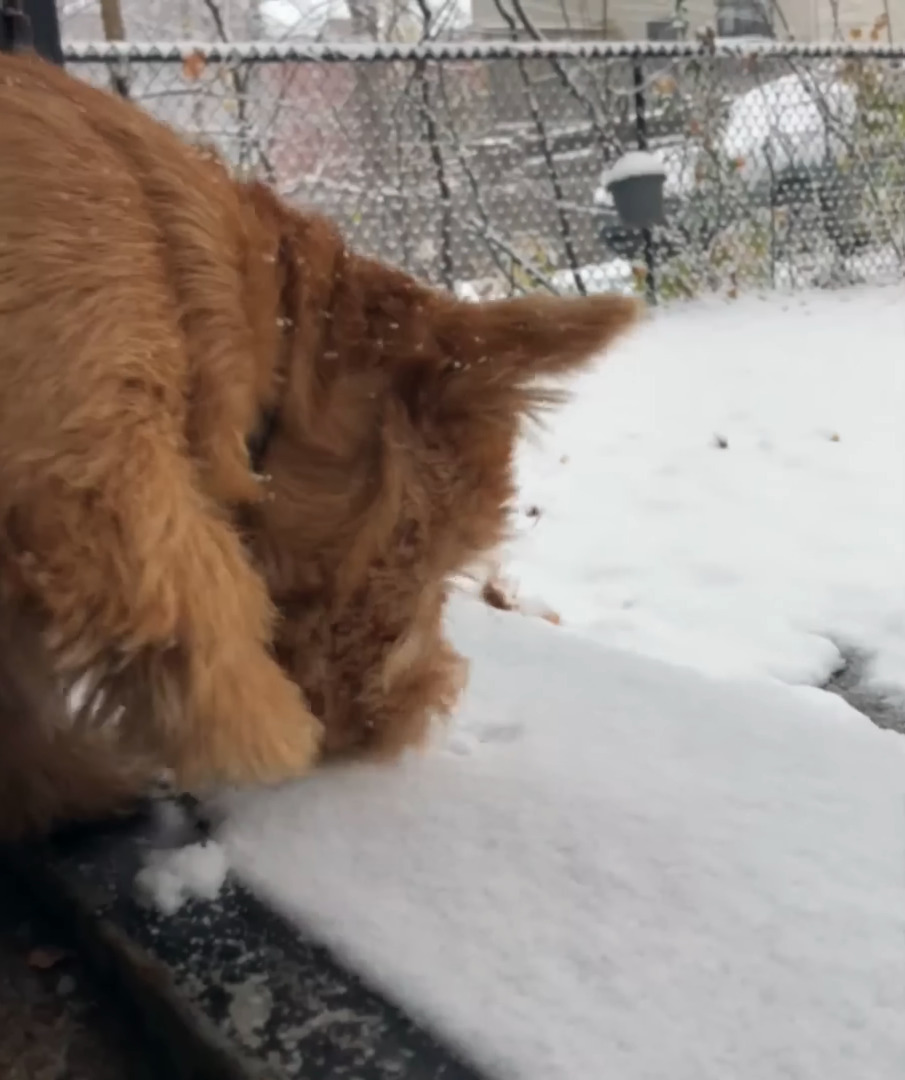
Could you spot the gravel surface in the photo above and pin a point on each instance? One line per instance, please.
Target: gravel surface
(52, 1026)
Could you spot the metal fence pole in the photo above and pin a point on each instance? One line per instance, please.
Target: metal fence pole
(641, 135)
(45, 29)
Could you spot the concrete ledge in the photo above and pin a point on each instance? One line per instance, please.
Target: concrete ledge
(224, 990)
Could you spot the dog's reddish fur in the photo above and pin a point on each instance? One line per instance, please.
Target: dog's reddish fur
(150, 308)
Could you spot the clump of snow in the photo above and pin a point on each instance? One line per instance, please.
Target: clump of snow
(635, 163)
(677, 163)
(611, 860)
(170, 877)
(727, 491)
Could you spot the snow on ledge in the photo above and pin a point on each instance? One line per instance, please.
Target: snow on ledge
(169, 878)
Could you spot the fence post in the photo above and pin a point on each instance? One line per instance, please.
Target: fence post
(641, 135)
(45, 29)
(31, 24)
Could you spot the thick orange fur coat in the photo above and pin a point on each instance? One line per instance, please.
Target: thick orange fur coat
(220, 625)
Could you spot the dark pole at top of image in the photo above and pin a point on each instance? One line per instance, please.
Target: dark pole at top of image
(641, 135)
(31, 24)
(45, 29)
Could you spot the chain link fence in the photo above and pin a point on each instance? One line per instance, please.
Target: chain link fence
(479, 166)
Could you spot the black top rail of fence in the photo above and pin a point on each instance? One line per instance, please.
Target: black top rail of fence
(327, 52)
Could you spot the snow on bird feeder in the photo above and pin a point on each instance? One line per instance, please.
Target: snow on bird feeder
(636, 185)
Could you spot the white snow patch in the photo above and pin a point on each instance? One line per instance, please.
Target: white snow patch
(727, 490)
(677, 162)
(279, 16)
(170, 877)
(614, 866)
(634, 164)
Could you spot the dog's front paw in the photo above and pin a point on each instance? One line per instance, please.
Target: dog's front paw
(255, 728)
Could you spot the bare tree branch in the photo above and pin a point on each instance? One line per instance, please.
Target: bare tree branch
(595, 114)
(495, 244)
(115, 30)
(251, 153)
(213, 9)
(565, 227)
(447, 269)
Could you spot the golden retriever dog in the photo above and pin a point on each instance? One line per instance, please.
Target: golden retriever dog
(238, 465)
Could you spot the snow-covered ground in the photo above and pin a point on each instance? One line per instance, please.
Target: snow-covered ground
(643, 848)
(614, 867)
(727, 490)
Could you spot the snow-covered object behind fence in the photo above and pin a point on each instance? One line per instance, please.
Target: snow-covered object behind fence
(793, 122)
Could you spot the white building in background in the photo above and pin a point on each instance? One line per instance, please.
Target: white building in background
(637, 20)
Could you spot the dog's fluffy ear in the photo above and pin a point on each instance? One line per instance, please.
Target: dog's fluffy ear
(533, 335)
(488, 357)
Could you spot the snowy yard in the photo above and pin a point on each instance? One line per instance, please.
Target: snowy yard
(728, 491)
(649, 846)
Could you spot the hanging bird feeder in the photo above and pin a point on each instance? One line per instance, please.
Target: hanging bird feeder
(636, 183)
